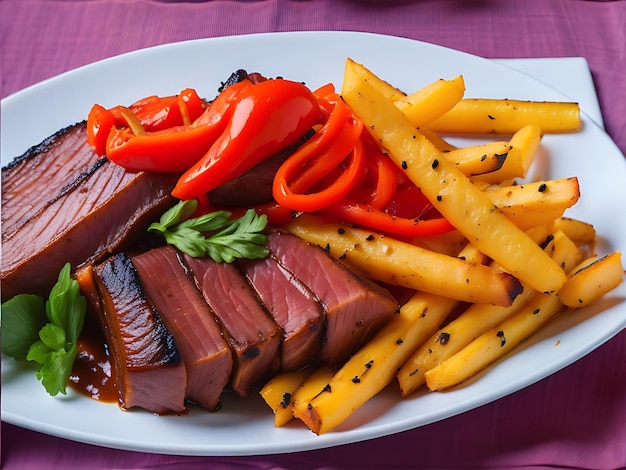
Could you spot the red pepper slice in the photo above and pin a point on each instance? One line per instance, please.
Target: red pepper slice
(158, 113)
(320, 156)
(268, 117)
(177, 148)
(291, 190)
(100, 121)
(276, 214)
(367, 216)
(380, 182)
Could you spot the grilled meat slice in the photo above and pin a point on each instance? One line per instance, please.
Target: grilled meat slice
(44, 173)
(355, 308)
(98, 215)
(253, 187)
(207, 357)
(294, 308)
(150, 369)
(253, 336)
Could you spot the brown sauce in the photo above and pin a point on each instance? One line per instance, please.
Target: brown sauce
(93, 373)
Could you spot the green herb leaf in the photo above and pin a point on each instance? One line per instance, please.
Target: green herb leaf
(214, 234)
(66, 306)
(55, 371)
(53, 344)
(22, 318)
(175, 214)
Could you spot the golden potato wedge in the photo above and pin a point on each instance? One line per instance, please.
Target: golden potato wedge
(278, 392)
(477, 160)
(399, 263)
(312, 386)
(581, 233)
(375, 365)
(524, 144)
(593, 279)
(450, 192)
(531, 204)
(504, 116)
(494, 343)
(474, 321)
(432, 101)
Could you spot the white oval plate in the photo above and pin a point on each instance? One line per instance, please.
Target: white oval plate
(245, 427)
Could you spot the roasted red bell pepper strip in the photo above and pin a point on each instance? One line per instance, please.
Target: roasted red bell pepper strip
(268, 117)
(158, 113)
(367, 216)
(292, 185)
(276, 214)
(380, 181)
(320, 156)
(100, 121)
(177, 148)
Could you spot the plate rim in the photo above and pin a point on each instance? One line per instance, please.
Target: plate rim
(356, 435)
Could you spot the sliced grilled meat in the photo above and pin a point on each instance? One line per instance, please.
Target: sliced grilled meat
(43, 174)
(355, 307)
(253, 336)
(294, 308)
(151, 373)
(97, 215)
(207, 357)
(254, 186)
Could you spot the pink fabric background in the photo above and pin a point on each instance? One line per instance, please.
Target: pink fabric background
(573, 419)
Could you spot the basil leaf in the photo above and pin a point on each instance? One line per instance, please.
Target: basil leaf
(22, 318)
(26, 335)
(55, 371)
(66, 307)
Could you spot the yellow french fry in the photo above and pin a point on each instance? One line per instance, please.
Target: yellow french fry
(494, 343)
(438, 141)
(476, 160)
(312, 386)
(374, 366)
(474, 321)
(385, 88)
(432, 101)
(595, 278)
(532, 204)
(524, 144)
(278, 392)
(504, 116)
(399, 263)
(450, 192)
(581, 233)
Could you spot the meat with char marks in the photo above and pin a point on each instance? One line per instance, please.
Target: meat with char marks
(53, 167)
(96, 215)
(150, 369)
(355, 307)
(294, 308)
(253, 336)
(207, 357)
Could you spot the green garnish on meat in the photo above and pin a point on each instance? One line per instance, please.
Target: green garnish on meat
(214, 234)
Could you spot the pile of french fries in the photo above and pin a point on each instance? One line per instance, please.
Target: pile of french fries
(513, 263)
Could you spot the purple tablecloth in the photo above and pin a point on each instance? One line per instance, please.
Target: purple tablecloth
(573, 419)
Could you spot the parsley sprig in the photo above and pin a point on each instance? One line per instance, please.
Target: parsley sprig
(46, 333)
(214, 234)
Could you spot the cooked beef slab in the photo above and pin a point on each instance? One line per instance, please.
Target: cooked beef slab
(96, 216)
(207, 357)
(252, 334)
(355, 308)
(151, 373)
(294, 308)
(44, 173)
